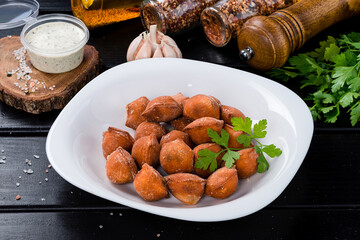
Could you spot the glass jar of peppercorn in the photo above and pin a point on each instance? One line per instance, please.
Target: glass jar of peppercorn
(224, 20)
(173, 16)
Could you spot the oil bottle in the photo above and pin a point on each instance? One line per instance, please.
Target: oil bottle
(96, 13)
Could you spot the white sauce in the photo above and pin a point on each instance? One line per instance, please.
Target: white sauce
(55, 40)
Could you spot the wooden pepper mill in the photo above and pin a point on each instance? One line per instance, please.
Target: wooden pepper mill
(267, 42)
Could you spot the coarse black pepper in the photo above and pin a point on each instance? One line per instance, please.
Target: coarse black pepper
(224, 20)
(173, 16)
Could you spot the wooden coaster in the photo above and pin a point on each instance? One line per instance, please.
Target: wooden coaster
(53, 91)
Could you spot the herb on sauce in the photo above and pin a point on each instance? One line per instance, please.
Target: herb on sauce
(208, 158)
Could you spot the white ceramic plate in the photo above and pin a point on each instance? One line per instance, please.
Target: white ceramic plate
(74, 142)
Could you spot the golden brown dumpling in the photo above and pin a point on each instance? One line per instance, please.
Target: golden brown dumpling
(148, 128)
(114, 138)
(149, 184)
(146, 150)
(176, 156)
(162, 109)
(197, 129)
(200, 106)
(120, 167)
(222, 183)
(186, 187)
(134, 111)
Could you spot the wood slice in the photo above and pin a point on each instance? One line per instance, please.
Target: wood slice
(46, 98)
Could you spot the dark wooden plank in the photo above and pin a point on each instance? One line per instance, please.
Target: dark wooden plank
(329, 176)
(13, 120)
(52, 6)
(132, 224)
(34, 190)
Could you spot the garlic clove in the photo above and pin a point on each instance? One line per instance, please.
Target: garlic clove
(168, 51)
(145, 50)
(169, 41)
(152, 37)
(159, 37)
(158, 53)
(134, 45)
(153, 34)
(178, 52)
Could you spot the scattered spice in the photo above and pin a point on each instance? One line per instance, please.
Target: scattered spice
(101, 226)
(36, 156)
(49, 166)
(2, 150)
(2, 161)
(225, 19)
(111, 214)
(28, 162)
(158, 235)
(25, 82)
(100, 17)
(3, 157)
(46, 179)
(176, 15)
(18, 197)
(17, 184)
(42, 199)
(46, 170)
(28, 171)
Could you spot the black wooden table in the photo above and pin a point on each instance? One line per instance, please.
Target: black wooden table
(321, 202)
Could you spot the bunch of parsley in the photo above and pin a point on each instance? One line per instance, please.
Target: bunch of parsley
(332, 71)
(207, 158)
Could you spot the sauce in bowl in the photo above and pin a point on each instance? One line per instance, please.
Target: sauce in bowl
(55, 42)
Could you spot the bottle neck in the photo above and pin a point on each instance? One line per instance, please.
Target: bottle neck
(152, 14)
(216, 26)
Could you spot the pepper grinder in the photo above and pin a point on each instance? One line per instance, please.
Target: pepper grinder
(267, 42)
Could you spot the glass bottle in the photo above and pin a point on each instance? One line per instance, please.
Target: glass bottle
(173, 16)
(224, 20)
(96, 13)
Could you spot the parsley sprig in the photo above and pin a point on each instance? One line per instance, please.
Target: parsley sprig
(332, 71)
(207, 158)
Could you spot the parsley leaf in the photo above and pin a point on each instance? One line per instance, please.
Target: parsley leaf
(354, 84)
(331, 51)
(230, 157)
(348, 98)
(272, 150)
(244, 140)
(263, 164)
(221, 140)
(206, 158)
(355, 113)
(259, 129)
(241, 124)
(341, 75)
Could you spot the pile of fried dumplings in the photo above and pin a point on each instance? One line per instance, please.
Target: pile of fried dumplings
(169, 133)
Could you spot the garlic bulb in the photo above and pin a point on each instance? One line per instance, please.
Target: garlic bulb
(152, 44)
